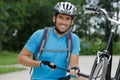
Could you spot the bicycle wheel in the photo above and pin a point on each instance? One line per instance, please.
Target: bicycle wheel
(99, 70)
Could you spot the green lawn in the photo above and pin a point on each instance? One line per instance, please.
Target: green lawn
(10, 69)
(6, 59)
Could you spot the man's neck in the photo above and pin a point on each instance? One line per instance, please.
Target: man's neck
(59, 34)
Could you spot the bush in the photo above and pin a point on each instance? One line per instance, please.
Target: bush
(116, 48)
(91, 48)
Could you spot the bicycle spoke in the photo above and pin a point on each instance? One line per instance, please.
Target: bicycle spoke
(100, 70)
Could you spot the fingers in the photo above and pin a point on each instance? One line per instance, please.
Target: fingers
(74, 72)
(52, 65)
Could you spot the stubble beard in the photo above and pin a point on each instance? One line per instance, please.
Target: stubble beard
(60, 32)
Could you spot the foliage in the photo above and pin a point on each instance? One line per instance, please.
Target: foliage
(90, 47)
(20, 18)
(116, 48)
(24, 16)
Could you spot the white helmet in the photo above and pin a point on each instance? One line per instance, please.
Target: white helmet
(65, 8)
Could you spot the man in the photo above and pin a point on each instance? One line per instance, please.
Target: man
(56, 41)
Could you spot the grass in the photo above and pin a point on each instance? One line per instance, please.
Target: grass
(6, 59)
(9, 69)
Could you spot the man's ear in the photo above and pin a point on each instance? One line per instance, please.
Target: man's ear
(72, 22)
(53, 18)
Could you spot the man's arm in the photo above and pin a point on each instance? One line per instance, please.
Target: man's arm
(24, 57)
(74, 68)
(74, 60)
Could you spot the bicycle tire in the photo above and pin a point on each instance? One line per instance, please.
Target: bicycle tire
(99, 70)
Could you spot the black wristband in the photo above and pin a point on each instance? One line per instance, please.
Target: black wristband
(49, 64)
(76, 68)
(45, 62)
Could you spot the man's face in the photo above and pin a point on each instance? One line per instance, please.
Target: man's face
(63, 22)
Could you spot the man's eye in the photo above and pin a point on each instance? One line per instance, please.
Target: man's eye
(68, 19)
(60, 17)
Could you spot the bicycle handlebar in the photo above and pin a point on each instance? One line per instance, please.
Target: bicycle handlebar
(101, 11)
(79, 74)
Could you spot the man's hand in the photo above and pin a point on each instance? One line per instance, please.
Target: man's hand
(51, 65)
(74, 71)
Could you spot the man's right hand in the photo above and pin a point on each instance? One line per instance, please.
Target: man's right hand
(51, 65)
(75, 71)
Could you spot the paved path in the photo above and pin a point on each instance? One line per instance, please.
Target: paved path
(86, 63)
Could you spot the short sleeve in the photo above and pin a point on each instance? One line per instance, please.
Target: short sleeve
(75, 44)
(33, 42)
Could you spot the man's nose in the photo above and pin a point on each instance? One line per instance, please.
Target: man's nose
(64, 21)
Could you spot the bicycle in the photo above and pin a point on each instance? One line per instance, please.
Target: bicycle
(100, 65)
(104, 56)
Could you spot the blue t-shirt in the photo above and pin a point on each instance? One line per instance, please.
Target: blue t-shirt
(53, 44)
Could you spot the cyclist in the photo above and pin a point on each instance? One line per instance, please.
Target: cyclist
(64, 13)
